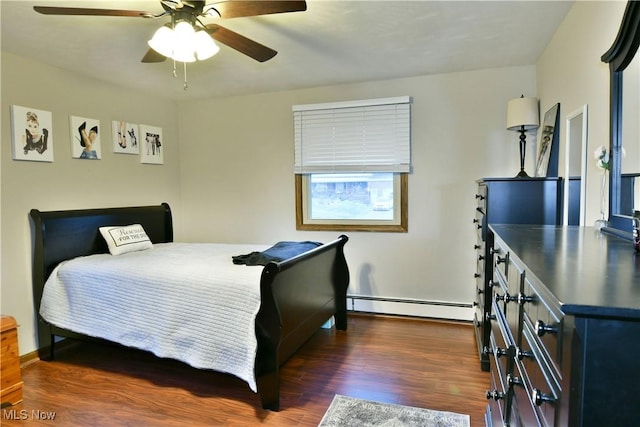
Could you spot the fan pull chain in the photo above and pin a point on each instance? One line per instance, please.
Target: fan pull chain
(186, 86)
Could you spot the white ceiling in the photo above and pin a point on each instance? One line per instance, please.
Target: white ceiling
(332, 42)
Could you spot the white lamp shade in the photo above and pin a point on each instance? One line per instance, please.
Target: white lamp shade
(523, 112)
(204, 45)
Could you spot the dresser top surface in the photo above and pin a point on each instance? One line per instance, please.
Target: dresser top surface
(590, 273)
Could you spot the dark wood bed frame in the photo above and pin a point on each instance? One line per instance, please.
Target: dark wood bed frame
(298, 295)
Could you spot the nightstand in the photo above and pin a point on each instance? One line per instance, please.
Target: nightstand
(10, 363)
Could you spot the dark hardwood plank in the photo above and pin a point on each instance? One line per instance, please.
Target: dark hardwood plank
(413, 362)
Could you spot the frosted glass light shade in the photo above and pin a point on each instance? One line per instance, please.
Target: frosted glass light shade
(162, 41)
(183, 47)
(204, 45)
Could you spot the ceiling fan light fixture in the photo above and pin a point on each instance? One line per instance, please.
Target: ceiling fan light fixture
(205, 47)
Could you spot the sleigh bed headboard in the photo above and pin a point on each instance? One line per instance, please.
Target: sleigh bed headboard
(62, 235)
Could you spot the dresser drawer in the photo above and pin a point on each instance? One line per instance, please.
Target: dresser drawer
(502, 348)
(497, 395)
(524, 413)
(479, 224)
(542, 387)
(545, 322)
(506, 301)
(481, 197)
(500, 258)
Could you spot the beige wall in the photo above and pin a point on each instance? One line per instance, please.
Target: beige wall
(116, 180)
(238, 184)
(229, 161)
(570, 72)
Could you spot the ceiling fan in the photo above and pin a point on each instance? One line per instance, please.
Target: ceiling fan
(192, 11)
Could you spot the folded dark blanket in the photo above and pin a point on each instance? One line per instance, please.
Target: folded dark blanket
(278, 252)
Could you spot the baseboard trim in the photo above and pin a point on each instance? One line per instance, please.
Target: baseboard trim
(34, 356)
(410, 307)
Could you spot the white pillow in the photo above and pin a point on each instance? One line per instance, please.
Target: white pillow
(125, 239)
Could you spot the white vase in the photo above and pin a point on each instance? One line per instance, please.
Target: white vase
(602, 222)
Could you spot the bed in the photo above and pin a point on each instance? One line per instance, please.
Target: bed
(296, 296)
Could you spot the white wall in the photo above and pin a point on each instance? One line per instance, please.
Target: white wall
(116, 180)
(238, 182)
(570, 72)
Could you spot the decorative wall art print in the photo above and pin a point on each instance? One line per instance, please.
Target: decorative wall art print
(125, 137)
(151, 145)
(85, 138)
(31, 134)
(548, 144)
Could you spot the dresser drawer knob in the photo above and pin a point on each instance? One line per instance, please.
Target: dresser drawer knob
(513, 380)
(506, 297)
(522, 298)
(489, 317)
(479, 196)
(500, 260)
(477, 275)
(498, 351)
(491, 283)
(495, 395)
(541, 328)
(480, 291)
(539, 397)
(521, 354)
(476, 247)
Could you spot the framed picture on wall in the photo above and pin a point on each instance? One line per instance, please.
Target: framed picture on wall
(152, 149)
(85, 138)
(125, 137)
(31, 134)
(548, 144)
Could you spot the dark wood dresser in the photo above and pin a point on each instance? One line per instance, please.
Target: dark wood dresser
(507, 201)
(565, 328)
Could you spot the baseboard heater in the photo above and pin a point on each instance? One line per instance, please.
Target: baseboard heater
(410, 307)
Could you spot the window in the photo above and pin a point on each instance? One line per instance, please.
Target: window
(351, 165)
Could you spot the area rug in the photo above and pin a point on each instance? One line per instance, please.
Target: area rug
(347, 411)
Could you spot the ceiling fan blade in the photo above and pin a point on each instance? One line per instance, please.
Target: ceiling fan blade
(153, 56)
(51, 10)
(240, 8)
(240, 43)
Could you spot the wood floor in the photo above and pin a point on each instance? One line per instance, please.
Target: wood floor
(421, 363)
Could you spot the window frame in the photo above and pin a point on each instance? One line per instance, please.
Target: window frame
(351, 225)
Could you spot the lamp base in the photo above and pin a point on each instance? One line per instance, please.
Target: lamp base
(523, 145)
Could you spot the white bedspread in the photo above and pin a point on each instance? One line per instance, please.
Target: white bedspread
(182, 301)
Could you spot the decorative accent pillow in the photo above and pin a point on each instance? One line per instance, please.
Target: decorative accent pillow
(130, 238)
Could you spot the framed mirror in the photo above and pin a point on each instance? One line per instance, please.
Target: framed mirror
(575, 168)
(621, 186)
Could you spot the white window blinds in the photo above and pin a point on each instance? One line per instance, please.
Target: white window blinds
(361, 136)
